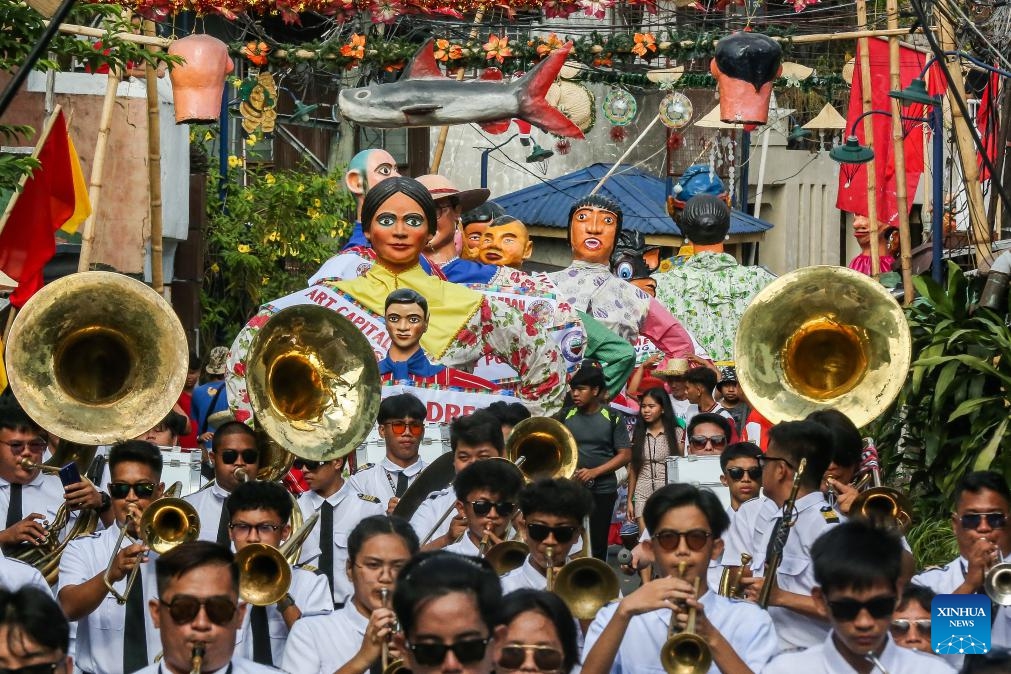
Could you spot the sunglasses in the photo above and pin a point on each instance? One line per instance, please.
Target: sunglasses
(849, 609)
(120, 490)
(764, 460)
(901, 626)
(540, 532)
(34, 446)
(737, 474)
(700, 441)
(993, 520)
(302, 464)
(695, 539)
(466, 651)
(483, 507)
(546, 659)
(400, 427)
(249, 456)
(184, 609)
(46, 668)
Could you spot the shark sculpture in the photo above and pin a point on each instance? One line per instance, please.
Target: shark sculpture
(423, 96)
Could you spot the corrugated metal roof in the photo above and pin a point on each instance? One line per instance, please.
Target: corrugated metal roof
(642, 198)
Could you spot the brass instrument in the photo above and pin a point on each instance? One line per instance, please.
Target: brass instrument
(730, 581)
(884, 506)
(586, 585)
(197, 659)
(240, 474)
(265, 572)
(823, 337)
(27, 464)
(483, 546)
(104, 362)
(685, 652)
(166, 523)
(388, 666)
(997, 581)
(175, 490)
(549, 555)
(547, 447)
(313, 382)
(506, 556)
(787, 522)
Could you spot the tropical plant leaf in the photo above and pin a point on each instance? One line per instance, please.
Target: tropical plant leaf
(987, 455)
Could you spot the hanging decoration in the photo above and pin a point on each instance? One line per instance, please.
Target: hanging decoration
(620, 107)
(744, 66)
(199, 81)
(618, 134)
(258, 104)
(675, 110)
(574, 101)
(563, 146)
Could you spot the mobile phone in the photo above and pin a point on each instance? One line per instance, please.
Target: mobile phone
(69, 474)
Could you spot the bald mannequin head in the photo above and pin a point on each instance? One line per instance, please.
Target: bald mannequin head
(366, 170)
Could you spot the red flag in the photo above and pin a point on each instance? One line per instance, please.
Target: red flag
(853, 196)
(28, 240)
(988, 124)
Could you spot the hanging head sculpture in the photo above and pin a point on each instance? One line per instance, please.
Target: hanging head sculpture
(366, 170)
(594, 226)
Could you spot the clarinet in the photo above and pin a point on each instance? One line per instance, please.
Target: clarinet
(780, 535)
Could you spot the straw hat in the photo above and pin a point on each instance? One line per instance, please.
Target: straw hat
(441, 188)
(673, 367)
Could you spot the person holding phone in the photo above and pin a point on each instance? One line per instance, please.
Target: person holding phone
(29, 498)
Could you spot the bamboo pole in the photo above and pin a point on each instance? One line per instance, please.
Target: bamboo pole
(97, 167)
(440, 144)
(624, 156)
(88, 31)
(154, 166)
(966, 150)
(868, 105)
(899, 149)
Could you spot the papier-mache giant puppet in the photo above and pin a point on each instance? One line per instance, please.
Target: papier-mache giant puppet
(366, 169)
(398, 217)
(710, 290)
(862, 233)
(588, 284)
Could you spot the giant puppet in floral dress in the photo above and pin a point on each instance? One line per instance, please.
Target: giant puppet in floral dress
(398, 217)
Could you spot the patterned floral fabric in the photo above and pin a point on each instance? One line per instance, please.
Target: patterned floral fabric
(709, 294)
(592, 288)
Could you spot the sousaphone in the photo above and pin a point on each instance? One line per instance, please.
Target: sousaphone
(313, 382)
(97, 357)
(823, 337)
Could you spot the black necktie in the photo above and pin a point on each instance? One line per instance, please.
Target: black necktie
(326, 542)
(401, 484)
(14, 507)
(134, 638)
(223, 526)
(261, 635)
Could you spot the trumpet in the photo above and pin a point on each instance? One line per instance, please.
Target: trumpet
(730, 581)
(27, 464)
(240, 474)
(586, 585)
(388, 666)
(685, 652)
(197, 658)
(549, 555)
(997, 581)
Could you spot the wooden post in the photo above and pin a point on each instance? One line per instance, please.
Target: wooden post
(440, 144)
(899, 149)
(865, 85)
(154, 166)
(966, 149)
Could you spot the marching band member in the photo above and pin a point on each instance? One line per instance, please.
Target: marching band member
(34, 634)
(847, 448)
(115, 637)
(552, 518)
(472, 438)
(541, 634)
(339, 510)
(686, 524)
(448, 606)
(486, 499)
(15, 575)
(980, 521)
(800, 621)
(741, 474)
(508, 414)
(378, 548)
(236, 459)
(401, 421)
(910, 626)
(29, 498)
(857, 568)
(198, 612)
(260, 512)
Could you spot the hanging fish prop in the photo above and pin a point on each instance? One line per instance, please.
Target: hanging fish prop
(423, 96)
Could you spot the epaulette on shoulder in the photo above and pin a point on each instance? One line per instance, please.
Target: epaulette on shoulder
(830, 515)
(436, 494)
(364, 467)
(369, 497)
(307, 567)
(935, 567)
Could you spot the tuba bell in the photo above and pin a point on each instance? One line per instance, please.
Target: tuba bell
(546, 447)
(313, 382)
(586, 585)
(823, 337)
(96, 357)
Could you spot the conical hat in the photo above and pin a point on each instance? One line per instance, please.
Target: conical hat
(828, 118)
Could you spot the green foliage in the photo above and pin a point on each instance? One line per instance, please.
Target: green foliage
(933, 542)
(953, 407)
(271, 235)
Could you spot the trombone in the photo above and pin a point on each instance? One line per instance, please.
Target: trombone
(685, 652)
(882, 505)
(265, 572)
(586, 585)
(166, 523)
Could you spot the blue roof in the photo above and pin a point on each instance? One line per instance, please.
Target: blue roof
(642, 198)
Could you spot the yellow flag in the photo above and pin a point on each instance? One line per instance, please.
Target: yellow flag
(82, 205)
(3, 366)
